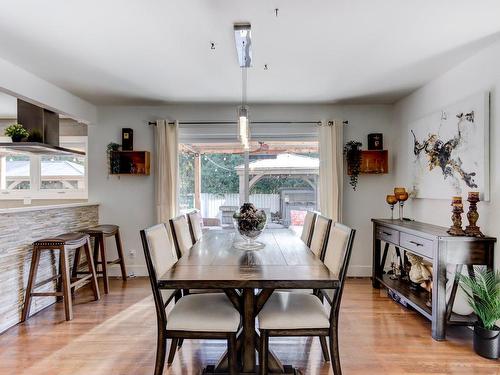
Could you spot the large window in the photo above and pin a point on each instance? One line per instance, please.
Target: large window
(45, 176)
(283, 179)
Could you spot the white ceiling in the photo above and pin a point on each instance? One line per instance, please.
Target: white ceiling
(155, 51)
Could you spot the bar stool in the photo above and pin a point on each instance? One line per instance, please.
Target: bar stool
(65, 285)
(99, 233)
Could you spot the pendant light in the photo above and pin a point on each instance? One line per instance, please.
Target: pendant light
(242, 35)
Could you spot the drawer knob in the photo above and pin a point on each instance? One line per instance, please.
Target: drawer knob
(387, 233)
(416, 243)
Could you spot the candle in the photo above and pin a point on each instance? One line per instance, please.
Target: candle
(456, 200)
(473, 194)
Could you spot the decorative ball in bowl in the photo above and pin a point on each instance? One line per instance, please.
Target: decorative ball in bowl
(250, 223)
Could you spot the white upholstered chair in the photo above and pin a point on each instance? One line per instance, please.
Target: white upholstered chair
(298, 314)
(320, 232)
(308, 227)
(181, 234)
(195, 316)
(195, 225)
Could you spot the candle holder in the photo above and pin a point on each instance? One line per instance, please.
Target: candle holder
(401, 195)
(391, 201)
(472, 229)
(456, 217)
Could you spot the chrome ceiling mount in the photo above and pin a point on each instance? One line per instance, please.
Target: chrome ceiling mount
(243, 40)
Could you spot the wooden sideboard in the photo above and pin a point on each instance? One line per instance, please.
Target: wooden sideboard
(435, 245)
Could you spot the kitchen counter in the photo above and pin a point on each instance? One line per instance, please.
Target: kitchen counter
(45, 207)
(19, 228)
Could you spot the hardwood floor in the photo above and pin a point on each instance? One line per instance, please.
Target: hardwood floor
(117, 336)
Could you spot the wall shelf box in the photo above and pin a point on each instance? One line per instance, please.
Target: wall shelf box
(374, 162)
(130, 163)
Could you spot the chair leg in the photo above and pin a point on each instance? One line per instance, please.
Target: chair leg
(173, 349)
(104, 263)
(161, 349)
(179, 344)
(231, 351)
(119, 249)
(76, 263)
(66, 282)
(334, 350)
(31, 281)
(264, 352)
(324, 348)
(90, 263)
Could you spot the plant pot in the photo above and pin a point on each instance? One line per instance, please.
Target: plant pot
(17, 138)
(487, 342)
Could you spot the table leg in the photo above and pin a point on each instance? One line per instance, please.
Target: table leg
(248, 330)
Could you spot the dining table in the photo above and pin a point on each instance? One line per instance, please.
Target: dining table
(248, 278)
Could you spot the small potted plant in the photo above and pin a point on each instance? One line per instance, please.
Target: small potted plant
(483, 295)
(17, 132)
(352, 152)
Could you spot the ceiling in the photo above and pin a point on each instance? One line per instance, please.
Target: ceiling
(153, 52)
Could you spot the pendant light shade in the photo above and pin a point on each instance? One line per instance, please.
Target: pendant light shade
(243, 127)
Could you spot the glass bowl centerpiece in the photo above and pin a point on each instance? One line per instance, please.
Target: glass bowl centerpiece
(250, 223)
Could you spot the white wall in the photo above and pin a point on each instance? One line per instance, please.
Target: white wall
(128, 201)
(478, 73)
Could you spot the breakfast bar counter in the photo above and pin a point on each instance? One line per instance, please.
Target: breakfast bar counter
(19, 228)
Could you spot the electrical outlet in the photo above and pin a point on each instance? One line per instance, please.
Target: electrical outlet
(132, 253)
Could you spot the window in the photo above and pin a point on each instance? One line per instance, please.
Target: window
(46, 176)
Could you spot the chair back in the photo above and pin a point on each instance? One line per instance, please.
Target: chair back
(307, 228)
(181, 235)
(195, 225)
(160, 257)
(320, 232)
(337, 256)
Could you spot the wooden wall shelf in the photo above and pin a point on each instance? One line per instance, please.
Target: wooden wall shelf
(374, 162)
(130, 163)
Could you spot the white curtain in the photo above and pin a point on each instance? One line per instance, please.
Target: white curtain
(166, 170)
(331, 165)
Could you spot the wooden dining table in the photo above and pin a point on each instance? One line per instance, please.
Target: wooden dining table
(248, 278)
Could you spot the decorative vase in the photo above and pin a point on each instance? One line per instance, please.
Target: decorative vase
(487, 342)
(249, 223)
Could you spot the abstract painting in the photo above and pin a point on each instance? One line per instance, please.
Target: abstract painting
(449, 150)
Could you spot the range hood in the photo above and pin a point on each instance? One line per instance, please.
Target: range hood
(46, 123)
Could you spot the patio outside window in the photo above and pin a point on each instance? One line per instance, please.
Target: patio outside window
(283, 180)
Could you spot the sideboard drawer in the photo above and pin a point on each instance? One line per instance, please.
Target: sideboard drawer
(419, 245)
(388, 235)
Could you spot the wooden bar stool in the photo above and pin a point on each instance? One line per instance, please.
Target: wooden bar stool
(63, 243)
(99, 233)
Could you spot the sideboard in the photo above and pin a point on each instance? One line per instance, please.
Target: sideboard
(436, 246)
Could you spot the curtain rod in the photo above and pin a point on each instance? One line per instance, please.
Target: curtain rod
(345, 122)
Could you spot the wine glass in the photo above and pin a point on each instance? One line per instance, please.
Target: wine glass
(391, 200)
(401, 195)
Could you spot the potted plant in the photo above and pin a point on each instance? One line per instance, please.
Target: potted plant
(483, 295)
(352, 152)
(17, 132)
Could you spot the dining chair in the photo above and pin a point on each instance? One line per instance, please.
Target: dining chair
(195, 316)
(308, 227)
(298, 314)
(181, 234)
(320, 232)
(195, 225)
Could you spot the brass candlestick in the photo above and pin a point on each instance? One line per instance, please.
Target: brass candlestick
(456, 217)
(472, 229)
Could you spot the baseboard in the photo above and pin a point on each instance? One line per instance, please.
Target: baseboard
(132, 270)
(359, 271)
(141, 270)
